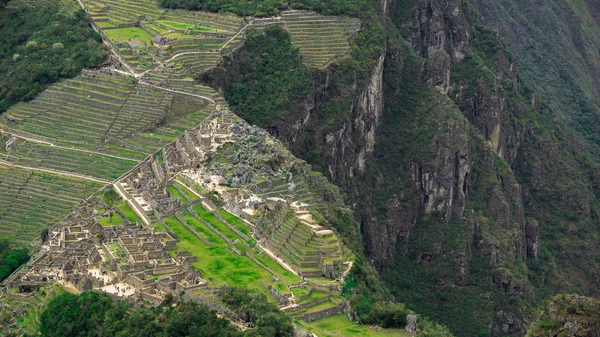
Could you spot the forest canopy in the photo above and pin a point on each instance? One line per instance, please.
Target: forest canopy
(11, 258)
(93, 314)
(41, 45)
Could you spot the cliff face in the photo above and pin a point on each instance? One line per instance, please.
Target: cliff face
(461, 177)
(558, 47)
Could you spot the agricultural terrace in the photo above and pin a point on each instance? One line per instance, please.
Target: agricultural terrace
(321, 39)
(121, 117)
(31, 201)
(147, 36)
(96, 127)
(44, 156)
(137, 37)
(131, 26)
(180, 81)
(218, 262)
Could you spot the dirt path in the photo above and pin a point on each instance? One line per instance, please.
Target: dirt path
(236, 35)
(178, 92)
(57, 172)
(33, 140)
(186, 53)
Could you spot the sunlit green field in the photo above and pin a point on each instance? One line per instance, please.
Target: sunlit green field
(218, 261)
(340, 326)
(124, 34)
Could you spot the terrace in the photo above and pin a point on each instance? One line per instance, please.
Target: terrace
(321, 39)
(31, 201)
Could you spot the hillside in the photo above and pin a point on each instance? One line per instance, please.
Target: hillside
(475, 194)
(347, 162)
(135, 181)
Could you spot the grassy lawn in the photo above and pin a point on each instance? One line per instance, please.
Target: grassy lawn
(219, 262)
(340, 326)
(236, 222)
(283, 273)
(185, 26)
(127, 211)
(134, 33)
(201, 228)
(187, 192)
(320, 307)
(175, 193)
(218, 224)
(299, 292)
(107, 222)
(314, 295)
(156, 28)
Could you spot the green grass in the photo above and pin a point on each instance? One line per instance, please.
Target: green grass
(187, 192)
(127, 211)
(107, 222)
(283, 273)
(218, 224)
(299, 292)
(340, 326)
(124, 34)
(200, 227)
(236, 222)
(156, 28)
(314, 295)
(175, 193)
(319, 307)
(219, 262)
(185, 26)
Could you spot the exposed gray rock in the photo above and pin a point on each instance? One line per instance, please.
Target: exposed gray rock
(411, 324)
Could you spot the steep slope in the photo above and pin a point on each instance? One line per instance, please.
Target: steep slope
(557, 44)
(475, 198)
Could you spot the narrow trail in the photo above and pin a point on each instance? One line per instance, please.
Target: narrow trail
(57, 172)
(186, 53)
(178, 92)
(236, 35)
(38, 141)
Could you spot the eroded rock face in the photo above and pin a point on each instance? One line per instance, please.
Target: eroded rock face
(411, 324)
(443, 185)
(354, 142)
(533, 238)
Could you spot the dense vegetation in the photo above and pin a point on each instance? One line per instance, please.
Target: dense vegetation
(247, 7)
(254, 307)
(96, 314)
(11, 258)
(272, 77)
(39, 46)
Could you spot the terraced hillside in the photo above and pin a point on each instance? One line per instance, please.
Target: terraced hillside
(106, 113)
(84, 133)
(145, 36)
(321, 39)
(33, 200)
(78, 136)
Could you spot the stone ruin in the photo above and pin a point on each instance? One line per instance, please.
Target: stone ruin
(123, 261)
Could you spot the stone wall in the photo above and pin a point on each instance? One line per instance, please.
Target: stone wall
(323, 313)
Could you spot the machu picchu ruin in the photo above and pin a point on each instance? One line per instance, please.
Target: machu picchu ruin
(137, 181)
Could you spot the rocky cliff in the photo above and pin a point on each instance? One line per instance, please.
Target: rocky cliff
(462, 178)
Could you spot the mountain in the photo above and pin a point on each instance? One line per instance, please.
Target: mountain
(463, 137)
(469, 156)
